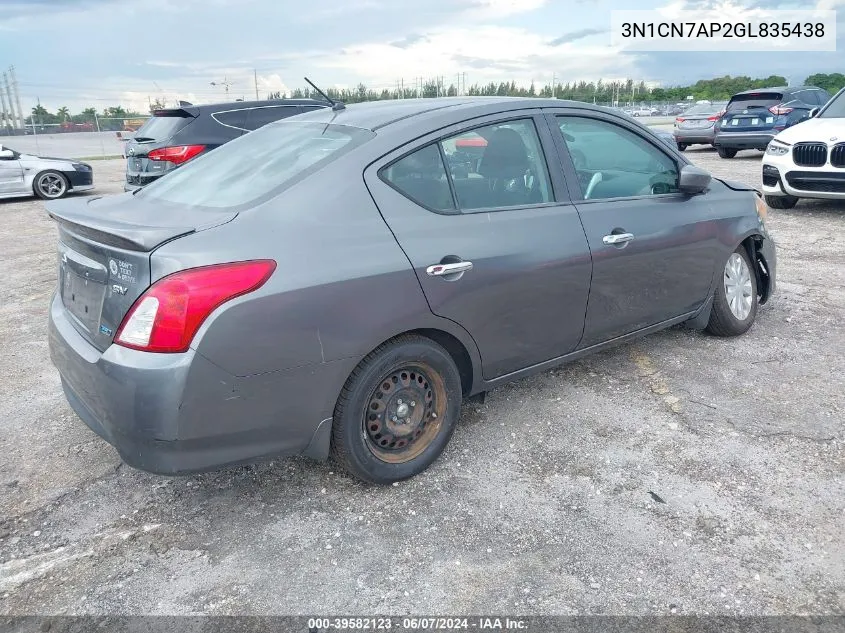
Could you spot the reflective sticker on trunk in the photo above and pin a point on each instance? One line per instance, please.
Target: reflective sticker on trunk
(122, 271)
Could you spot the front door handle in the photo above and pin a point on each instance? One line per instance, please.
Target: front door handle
(438, 270)
(617, 238)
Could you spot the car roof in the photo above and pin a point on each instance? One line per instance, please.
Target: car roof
(204, 108)
(374, 115)
(776, 89)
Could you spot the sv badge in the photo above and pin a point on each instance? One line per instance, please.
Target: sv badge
(118, 289)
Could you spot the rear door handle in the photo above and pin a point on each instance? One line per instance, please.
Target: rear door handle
(617, 238)
(438, 270)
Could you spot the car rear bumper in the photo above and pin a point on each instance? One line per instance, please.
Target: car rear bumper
(743, 140)
(694, 137)
(175, 414)
(136, 180)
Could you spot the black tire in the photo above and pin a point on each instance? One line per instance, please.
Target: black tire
(50, 185)
(682, 147)
(723, 321)
(725, 152)
(371, 442)
(781, 202)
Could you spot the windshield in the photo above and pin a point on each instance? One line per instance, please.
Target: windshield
(835, 108)
(256, 165)
(754, 100)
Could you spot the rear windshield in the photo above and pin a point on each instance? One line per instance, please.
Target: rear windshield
(835, 108)
(256, 165)
(705, 109)
(754, 100)
(161, 128)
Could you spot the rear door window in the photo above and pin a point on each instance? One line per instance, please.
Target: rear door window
(231, 118)
(261, 116)
(756, 100)
(422, 177)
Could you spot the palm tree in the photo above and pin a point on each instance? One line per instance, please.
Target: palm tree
(39, 111)
(63, 113)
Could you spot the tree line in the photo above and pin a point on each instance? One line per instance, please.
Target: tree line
(720, 88)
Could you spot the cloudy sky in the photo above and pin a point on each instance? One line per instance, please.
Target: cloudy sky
(109, 52)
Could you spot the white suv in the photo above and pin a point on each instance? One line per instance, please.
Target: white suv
(808, 160)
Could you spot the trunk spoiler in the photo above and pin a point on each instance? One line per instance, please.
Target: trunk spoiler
(113, 221)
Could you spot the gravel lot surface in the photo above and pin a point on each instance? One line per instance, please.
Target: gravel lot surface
(681, 473)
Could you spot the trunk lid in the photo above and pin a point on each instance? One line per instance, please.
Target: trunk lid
(750, 113)
(104, 254)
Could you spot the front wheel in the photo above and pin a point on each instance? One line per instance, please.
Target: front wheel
(735, 301)
(781, 202)
(725, 152)
(397, 411)
(50, 185)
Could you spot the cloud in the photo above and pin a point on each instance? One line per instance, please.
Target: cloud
(492, 53)
(409, 40)
(574, 36)
(502, 8)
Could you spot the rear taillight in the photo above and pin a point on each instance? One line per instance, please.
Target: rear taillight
(778, 110)
(679, 120)
(716, 116)
(167, 316)
(177, 154)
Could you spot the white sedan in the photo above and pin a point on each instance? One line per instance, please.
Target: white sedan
(808, 160)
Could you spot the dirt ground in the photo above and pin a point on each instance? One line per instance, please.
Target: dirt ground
(682, 473)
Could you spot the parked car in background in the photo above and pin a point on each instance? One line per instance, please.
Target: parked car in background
(644, 111)
(172, 137)
(205, 320)
(754, 117)
(808, 160)
(23, 175)
(697, 126)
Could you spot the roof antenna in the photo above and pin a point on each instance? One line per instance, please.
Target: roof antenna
(336, 105)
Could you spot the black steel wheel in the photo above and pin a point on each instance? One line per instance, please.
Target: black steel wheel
(397, 411)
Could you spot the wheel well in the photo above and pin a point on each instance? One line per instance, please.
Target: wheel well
(456, 350)
(751, 245)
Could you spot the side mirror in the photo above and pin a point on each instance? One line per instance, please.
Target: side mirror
(814, 112)
(693, 179)
(6, 154)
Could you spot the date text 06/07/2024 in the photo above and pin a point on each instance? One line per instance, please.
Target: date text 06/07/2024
(317, 625)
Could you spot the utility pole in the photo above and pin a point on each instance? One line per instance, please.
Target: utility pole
(255, 77)
(554, 76)
(4, 117)
(17, 93)
(12, 117)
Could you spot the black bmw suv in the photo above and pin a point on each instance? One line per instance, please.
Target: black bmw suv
(172, 137)
(754, 117)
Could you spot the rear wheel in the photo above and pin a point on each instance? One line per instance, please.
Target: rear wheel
(781, 202)
(50, 185)
(735, 300)
(682, 147)
(725, 152)
(397, 411)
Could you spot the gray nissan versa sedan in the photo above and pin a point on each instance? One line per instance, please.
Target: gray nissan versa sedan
(335, 283)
